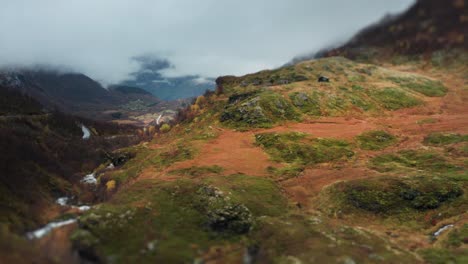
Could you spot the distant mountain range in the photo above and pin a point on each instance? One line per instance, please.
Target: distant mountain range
(73, 92)
(150, 78)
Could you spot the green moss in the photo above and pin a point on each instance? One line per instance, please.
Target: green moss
(198, 171)
(298, 239)
(287, 172)
(394, 195)
(459, 150)
(165, 215)
(457, 237)
(441, 139)
(361, 101)
(412, 159)
(393, 99)
(421, 85)
(176, 222)
(444, 256)
(375, 140)
(306, 103)
(260, 195)
(298, 148)
(160, 158)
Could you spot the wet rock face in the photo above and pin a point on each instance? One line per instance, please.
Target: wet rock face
(222, 214)
(120, 159)
(323, 79)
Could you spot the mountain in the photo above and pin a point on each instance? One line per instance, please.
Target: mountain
(342, 159)
(428, 28)
(172, 88)
(129, 90)
(80, 95)
(150, 78)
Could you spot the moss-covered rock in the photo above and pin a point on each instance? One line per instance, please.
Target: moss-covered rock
(222, 214)
(375, 140)
(306, 103)
(258, 110)
(392, 195)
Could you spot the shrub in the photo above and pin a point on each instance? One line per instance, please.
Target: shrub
(388, 195)
(165, 128)
(110, 185)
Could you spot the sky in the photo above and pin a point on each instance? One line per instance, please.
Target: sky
(104, 39)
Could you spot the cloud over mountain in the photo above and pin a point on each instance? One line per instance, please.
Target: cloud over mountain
(106, 39)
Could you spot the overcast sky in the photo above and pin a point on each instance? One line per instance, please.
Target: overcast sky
(199, 37)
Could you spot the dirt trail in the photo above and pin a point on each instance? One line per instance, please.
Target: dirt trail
(233, 151)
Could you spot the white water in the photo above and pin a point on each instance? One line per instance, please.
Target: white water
(86, 132)
(62, 201)
(442, 229)
(83, 208)
(159, 118)
(89, 179)
(48, 228)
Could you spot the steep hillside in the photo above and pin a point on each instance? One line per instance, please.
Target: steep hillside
(279, 167)
(431, 30)
(45, 156)
(79, 95)
(332, 160)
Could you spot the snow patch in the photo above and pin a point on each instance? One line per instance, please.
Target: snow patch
(111, 166)
(48, 228)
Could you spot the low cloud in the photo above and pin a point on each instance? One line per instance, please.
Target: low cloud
(111, 39)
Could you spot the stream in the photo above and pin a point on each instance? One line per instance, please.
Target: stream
(65, 202)
(442, 229)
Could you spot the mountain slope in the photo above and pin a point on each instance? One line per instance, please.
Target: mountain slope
(76, 93)
(283, 166)
(430, 28)
(272, 165)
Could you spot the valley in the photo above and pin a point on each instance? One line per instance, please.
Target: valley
(295, 194)
(358, 155)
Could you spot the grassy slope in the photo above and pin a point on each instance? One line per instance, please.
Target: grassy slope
(165, 218)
